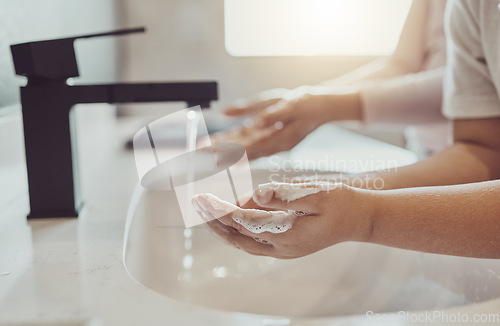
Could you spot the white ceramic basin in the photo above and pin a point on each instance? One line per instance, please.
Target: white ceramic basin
(346, 279)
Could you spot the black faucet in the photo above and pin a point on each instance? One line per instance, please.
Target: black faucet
(46, 102)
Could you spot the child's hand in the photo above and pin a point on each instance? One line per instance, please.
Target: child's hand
(318, 215)
(279, 124)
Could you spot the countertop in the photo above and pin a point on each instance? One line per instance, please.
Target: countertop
(70, 271)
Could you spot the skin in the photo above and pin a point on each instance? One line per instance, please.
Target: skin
(309, 233)
(296, 117)
(459, 219)
(474, 157)
(447, 204)
(454, 220)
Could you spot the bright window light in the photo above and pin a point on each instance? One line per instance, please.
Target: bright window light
(313, 27)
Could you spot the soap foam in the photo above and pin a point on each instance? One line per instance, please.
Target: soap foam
(275, 222)
(292, 191)
(208, 203)
(254, 220)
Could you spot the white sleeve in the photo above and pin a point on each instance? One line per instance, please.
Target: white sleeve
(409, 99)
(469, 91)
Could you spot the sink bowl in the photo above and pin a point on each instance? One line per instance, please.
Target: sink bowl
(350, 278)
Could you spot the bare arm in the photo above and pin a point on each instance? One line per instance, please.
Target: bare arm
(474, 157)
(459, 220)
(462, 220)
(409, 99)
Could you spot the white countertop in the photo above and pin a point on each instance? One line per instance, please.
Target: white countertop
(70, 271)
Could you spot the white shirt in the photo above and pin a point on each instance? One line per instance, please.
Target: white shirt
(413, 94)
(472, 78)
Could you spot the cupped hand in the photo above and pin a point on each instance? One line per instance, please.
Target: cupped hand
(307, 217)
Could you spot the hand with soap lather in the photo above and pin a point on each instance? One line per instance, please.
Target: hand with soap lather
(306, 217)
(291, 220)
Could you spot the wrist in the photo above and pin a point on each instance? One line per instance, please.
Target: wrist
(364, 214)
(344, 106)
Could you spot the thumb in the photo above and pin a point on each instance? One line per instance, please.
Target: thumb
(293, 196)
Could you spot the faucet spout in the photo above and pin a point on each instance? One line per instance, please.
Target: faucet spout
(51, 155)
(193, 93)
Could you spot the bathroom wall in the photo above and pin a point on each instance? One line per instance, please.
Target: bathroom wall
(185, 41)
(29, 20)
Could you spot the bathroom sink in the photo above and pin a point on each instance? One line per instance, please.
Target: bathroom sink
(350, 278)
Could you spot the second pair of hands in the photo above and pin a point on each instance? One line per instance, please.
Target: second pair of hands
(281, 119)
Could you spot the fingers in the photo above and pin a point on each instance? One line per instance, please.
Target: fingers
(251, 204)
(234, 111)
(221, 231)
(250, 222)
(303, 197)
(271, 140)
(237, 236)
(263, 142)
(276, 115)
(212, 208)
(249, 108)
(233, 237)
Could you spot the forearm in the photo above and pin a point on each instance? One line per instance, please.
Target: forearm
(459, 220)
(375, 70)
(474, 157)
(341, 106)
(461, 163)
(410, 99)
(332, 104)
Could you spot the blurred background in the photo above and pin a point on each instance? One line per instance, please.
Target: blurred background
(246, 45)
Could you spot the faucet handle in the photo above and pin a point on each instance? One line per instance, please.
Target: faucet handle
(53, 59)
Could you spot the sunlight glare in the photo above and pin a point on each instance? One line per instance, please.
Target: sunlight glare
(313, 27)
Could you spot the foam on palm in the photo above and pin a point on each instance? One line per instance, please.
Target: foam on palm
(254, 220)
